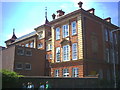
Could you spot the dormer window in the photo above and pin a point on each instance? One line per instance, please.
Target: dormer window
(31, 44)
(26, 45)
(40, 36)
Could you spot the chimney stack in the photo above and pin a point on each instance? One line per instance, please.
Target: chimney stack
(60, 13)
(53, 16)
(80, 4)
(92, 11)
(108, 19)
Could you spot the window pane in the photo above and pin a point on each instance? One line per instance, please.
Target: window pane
(18, 65)
(75, 72)
(74, 51)
(65, 31)
(26, 45)
(31, 45)
(58, 54)
(66, 53)
(73, 28)
(65, 72)
(40, 45)
(40, 36)
(56, 73)
(57, 33)
(28, 53)
(20, 51)
(50, 56)
(27, 66)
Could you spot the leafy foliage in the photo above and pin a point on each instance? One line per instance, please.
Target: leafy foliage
(9, 79)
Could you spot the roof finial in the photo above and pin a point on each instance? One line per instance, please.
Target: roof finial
(46, 21)
(45, 12)
(14, 36)
(13, 31)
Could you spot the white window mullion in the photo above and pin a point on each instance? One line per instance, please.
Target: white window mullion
(75, 72)
(58, 54)
(73, 27)
(74, 51)
(66, 53)
(56, 73)
(65, 30)
(57, 33)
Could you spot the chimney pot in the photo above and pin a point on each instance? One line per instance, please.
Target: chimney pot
(92, 10)
(108, 19)
(80, 4)
(53, 16)
(60, 13)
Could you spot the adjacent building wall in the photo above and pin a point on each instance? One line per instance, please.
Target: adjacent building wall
(36, 60)
(8, 57)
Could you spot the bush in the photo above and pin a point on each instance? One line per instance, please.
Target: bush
(10, 79)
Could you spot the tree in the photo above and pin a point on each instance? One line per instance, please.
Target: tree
(10, 79)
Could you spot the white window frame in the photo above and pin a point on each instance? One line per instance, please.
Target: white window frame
(74, 31)
(31, 44)
(57, 33)
(27, 53)
(27, 68)
(40, 45)
(21, 51)
(40, 35)
(50, 56)
(111, 36)
(48, 47)
(66, 53)
(56, 73)
(19, 67)
(74, 51)
(75, 72)
(57, 49)
(106, 34)
(65, 29)
(27, 44)
(66, 72)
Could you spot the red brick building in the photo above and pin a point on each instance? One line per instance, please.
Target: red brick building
(78, 44)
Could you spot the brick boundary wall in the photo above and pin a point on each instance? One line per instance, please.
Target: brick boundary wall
(88, 82)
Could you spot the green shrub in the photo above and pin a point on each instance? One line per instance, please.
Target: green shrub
(10, 79)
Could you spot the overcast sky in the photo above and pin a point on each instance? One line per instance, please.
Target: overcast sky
(25, 16)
